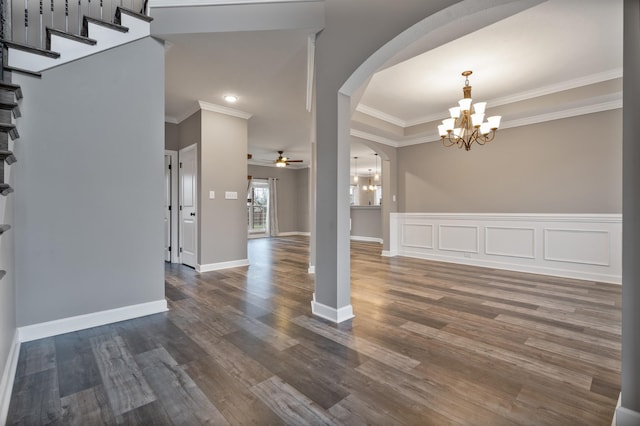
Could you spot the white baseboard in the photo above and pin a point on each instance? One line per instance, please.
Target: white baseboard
(580, 246)
(578, 275)
(81, 322)
(8, 376)
(366, 239)
(312, 269)
(329, 313)
(222, 265)
(613, 422)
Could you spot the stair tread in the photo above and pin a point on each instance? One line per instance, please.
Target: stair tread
(11, 129)
(23, 71)
(8, 105)
(11, 106)
(74, 37)
(12, 88)
(87, 20)
(5, 189)
(8, 157)
(120, 10)
(31, 49)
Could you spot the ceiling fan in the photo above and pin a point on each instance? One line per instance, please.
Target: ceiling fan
(283, 161)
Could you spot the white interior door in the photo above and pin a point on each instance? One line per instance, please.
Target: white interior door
(167, 208)
(188, 207)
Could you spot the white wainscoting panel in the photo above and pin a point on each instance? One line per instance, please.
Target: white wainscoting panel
(462, 238)
(417, 235)
(510, 241)
(582, 246)
(590, 247)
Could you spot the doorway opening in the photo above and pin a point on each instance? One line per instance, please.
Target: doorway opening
(258, 208)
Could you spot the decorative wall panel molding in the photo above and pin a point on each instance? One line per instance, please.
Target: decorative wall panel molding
(417, 235)
(582, 246)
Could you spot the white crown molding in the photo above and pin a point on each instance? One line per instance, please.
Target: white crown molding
(558, 87)
(522, 96)
(178, 3)
(376, 113)
(170, 119)
(566, 113)
(374, 138)
(206, 106)
(188, 113)
(534, 119)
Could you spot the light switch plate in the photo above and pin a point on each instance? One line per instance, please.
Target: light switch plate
(212, 195)
(230, 195)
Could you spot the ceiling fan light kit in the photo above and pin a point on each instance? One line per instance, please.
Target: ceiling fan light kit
(464, 128)
(283, 161)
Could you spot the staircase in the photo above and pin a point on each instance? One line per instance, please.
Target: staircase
(93, 36)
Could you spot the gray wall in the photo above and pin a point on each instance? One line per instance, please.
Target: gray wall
(629, 412)
(89, 185)
(171, 136)
(302, 189)
(572, 165)
(293, 195)
(366, 221)
(7, 284)
(222, 167)
(190, 130)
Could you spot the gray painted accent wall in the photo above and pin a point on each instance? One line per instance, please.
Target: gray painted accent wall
(366, 221)
(629, 411)
(293, 195)
(89, 185)
(222, 167)
(190, 130)
(572, 165)
(171, 137)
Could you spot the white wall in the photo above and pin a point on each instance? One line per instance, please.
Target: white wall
(89, 185)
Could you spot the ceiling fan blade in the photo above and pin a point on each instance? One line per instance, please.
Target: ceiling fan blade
(295, 161)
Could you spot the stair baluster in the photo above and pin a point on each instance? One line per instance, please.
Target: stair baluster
(41, 13)
(66, 16)
(52, 14)
(26, 21)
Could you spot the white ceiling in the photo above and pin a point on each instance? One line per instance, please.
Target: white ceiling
(555, 46)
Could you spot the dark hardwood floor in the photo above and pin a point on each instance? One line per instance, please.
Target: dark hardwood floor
(431, 343)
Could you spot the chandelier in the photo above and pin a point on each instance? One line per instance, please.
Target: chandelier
(464, 128)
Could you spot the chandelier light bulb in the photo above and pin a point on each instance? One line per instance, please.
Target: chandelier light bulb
(455, 112)
(479, 107)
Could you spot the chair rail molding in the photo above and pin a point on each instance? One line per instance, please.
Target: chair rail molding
(580, 246)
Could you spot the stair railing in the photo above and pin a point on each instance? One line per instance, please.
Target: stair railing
(31, 18)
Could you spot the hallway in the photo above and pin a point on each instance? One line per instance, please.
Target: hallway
(431, 343)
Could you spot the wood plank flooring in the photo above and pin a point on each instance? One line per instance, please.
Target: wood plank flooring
(431, 343)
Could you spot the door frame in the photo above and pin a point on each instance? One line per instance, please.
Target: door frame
(175, 243)
(192, 147)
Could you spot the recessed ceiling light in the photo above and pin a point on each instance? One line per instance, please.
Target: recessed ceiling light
(231, 98)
